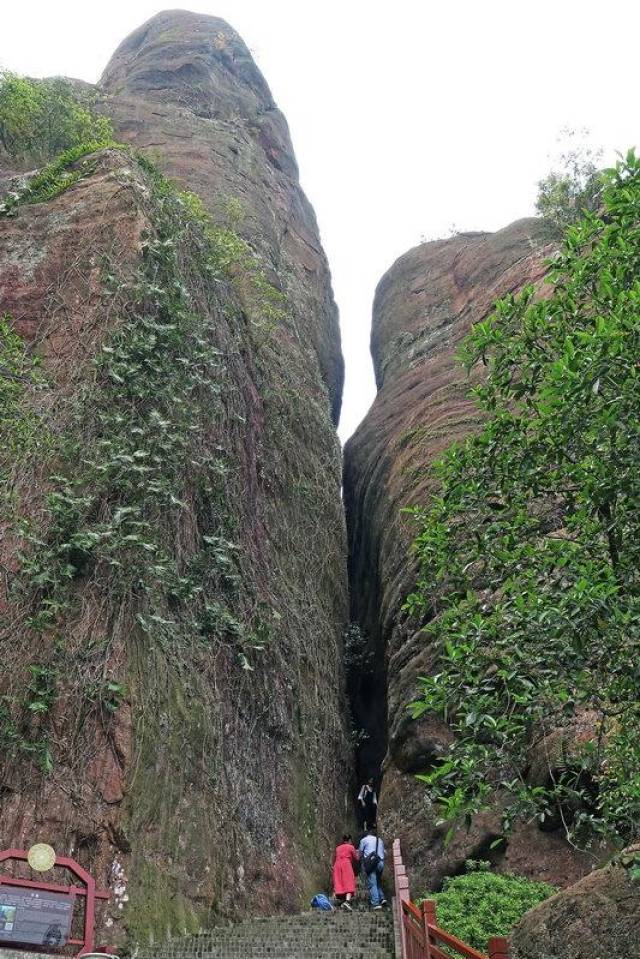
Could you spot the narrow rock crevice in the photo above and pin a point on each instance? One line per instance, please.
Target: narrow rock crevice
(367, 694)
(422, 406)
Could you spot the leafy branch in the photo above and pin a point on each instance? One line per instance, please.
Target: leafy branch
(529, 555)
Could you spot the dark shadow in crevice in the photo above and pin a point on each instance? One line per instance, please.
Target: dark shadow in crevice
(367, 692)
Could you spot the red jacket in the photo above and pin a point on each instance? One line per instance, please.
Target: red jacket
(344, 878)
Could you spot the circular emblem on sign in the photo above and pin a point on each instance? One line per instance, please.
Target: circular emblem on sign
(41, 857)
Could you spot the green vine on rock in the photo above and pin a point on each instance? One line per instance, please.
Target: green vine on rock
(57, 176)
(136, 434)
(143, 498)
(20, 376)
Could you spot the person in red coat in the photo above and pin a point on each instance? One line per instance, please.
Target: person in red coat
(345, 863)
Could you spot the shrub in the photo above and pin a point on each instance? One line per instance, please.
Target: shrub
(41, 118)
(478, 905)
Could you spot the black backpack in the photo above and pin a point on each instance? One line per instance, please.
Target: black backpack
(371, 861)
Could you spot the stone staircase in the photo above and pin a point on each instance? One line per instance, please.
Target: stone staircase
(317, 935)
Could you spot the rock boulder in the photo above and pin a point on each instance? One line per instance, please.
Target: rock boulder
(598, 916)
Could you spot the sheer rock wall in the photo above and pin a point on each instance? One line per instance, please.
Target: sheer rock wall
(211, 789)
(424, 306)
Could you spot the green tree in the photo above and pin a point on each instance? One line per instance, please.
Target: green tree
(41, 118)
(573, 185)
(529, 554)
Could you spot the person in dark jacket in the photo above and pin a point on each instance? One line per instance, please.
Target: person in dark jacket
(368, 805)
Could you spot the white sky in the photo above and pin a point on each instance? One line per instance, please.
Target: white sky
(406, 116)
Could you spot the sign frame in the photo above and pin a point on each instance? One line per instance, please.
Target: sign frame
(86, 892)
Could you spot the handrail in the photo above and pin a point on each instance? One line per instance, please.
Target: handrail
(419, 933)
(411, 909)
(437, 935)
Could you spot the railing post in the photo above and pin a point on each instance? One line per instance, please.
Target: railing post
(498, 948)
(401, 883)
(428, 919)
(402, 895)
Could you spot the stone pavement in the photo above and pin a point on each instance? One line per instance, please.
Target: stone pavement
(317, 935)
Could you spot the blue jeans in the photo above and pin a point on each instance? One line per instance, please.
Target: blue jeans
(373, 885)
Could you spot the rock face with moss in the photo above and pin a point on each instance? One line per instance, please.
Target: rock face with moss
(423, 308)
(172, 548)
(184, 88)
(598, 916)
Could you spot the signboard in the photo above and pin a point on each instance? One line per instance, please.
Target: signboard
(31, 916)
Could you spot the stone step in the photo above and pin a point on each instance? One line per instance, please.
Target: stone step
(301, 951)
(313, 935)
(345, 920)
(336, 920)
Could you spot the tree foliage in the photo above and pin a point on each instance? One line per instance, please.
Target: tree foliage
(42, 118)
(573, 186)
(529, 555)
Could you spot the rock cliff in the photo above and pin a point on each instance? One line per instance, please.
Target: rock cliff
(184, 88)
(423, 307)
(172, 547)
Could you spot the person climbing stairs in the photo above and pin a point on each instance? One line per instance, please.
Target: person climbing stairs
(319, 935)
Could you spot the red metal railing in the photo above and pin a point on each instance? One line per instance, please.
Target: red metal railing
(420, 935)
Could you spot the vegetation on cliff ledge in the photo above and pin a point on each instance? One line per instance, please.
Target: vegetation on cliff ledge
(573, 185)
(529, 555)
(42, 118)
